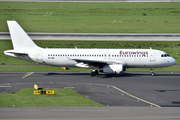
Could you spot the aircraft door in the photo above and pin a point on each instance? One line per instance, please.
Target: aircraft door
(39, 56)
(152, 56)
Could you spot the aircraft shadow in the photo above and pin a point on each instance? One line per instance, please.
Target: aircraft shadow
(114, 75)
(48, 74)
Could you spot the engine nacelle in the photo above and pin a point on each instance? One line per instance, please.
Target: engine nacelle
(112, 69)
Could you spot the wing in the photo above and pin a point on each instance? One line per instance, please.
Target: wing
(91, 62)
(87, 63)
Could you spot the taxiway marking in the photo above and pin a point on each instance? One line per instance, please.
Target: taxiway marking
(152, 104)
(28, 74)
(114, 76)
(135, 96)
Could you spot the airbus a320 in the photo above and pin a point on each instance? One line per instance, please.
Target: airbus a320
(100, 60)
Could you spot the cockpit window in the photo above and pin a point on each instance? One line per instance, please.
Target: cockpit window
(164, 55)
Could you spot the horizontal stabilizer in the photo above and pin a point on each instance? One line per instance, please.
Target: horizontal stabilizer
(15, 52)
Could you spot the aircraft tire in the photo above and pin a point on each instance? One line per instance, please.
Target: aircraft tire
(153, 74)
(94, 73)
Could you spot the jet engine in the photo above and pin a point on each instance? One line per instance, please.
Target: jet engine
(112, 69)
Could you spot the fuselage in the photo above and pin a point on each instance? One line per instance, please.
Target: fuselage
(130, 58)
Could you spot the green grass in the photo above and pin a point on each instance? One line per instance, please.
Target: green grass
(39, 68)
(62, 97)
(92, 17)
(164, 69)
(172, 48)
(50, 68)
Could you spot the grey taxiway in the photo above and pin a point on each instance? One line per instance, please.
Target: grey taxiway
(129, 89)
(99, 36)
(132, 95)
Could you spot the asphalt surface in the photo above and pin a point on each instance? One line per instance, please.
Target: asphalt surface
(133, 95)
(132, 89)
(98, 36)
(89, 113)
(97, 0)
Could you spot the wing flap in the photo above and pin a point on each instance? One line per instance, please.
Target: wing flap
(90, 62)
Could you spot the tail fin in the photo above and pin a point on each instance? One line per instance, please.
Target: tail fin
(19, 37)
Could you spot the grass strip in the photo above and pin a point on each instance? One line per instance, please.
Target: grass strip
(93, 17)
(171, 47)
(38, 68)
(62, 97)
(51, 68)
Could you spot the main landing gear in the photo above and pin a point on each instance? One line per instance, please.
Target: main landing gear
(152, 72)
(94, 73)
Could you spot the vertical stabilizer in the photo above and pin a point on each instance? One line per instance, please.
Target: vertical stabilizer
(19, 37)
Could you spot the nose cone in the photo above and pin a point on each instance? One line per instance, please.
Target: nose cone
(173, 61)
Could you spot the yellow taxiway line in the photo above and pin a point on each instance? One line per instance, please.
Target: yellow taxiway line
(28, 74)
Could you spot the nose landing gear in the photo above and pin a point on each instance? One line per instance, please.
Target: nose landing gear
(152, 72)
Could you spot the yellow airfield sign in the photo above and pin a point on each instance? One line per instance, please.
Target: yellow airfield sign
(44, 92)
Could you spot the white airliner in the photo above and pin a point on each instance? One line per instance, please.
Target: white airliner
(100, 60)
